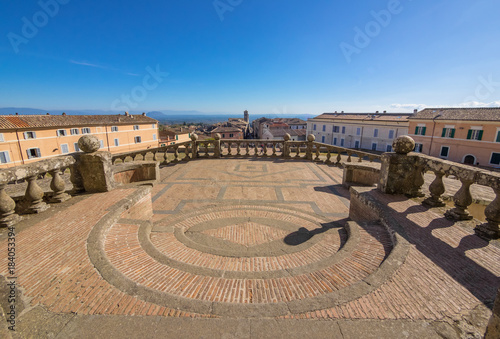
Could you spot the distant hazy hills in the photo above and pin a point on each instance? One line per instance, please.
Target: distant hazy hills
(166, 116)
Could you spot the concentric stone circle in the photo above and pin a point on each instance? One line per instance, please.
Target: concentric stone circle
(173, 263)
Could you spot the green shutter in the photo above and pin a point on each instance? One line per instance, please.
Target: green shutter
(498, 136)
(423, 130)
(444, 133)
(480, 135)
(416, 130)
(452, 133)
(469, 134)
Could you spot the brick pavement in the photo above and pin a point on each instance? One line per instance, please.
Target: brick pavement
(252, 239)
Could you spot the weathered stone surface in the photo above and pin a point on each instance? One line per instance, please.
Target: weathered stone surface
(493, 329)
(43, 166)
(311, 138)
(136, 171)
(286, 137)
(403, 144)
(89, 143)
(398, 174)
(96, 171)
(360, 174)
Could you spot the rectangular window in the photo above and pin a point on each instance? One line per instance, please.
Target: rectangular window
(136, 127)
(374, 146)
(497, 139)
(495, 159)
(391, 135)
(358, 131)
(74, 131)
(1, 137)
(314, 127)
(61, 132)
(114, 128)
(444, 151)
(4, 157)
(324, 128)
(420, 130)
(33, 153)
(335, 129)
(418, 147)
(86, 130)
(343, 129)
(117, 142)
(137, 140)
(154, 136)
(64, 148)
(153, 126)
(29, 135)
(375, 133)
(475, 134)
(323, 139)
(335, 141)
(388, 148)
(448, 133)
(77, 149)
(101, 144)
(231, 135)
(356, 144)
(342, 142)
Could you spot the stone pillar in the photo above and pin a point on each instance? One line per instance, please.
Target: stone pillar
(310, 140)
(217, 152)
(57, 185)
(493, 329)
(490, 229)
(399, 171)
(95, 167)
(34, 197)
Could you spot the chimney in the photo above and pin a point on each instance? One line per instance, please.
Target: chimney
(17, 113)
(342, 112)
(385, 111)
(143, 114)
(415, 111)
(47, 113)
(64, 114)
(126, 114)
(335, 112)
(376, 112)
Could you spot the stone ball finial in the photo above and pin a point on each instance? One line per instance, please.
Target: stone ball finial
(403, 144)
(194, 137)
(89, 143)
(311, 138)
(217, 136)
(286, 137)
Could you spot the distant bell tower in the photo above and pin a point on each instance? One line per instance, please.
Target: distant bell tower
(245, 116)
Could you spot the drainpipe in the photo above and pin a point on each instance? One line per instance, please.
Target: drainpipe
(107, 136)
(19, 145)
(433, 128)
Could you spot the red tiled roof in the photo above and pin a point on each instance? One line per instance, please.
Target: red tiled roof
(48, 121)
(365, 116)
(474, 114)
(225, 130)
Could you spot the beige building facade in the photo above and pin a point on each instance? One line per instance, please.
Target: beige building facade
(29, 138)
(465, 135)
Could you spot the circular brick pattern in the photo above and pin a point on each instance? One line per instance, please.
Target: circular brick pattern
(167, 263)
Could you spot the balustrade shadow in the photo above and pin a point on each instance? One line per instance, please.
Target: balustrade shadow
(302, 235)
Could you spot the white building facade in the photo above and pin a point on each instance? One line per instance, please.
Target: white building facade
(359, 130)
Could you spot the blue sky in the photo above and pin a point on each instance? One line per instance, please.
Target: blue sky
(280, 56)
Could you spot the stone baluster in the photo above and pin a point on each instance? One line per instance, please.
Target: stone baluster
(176, 153)
(34, 197)
(436, 188)
(297, 150)
(57, 185)
(265, 150)
(255, 150)
(317, 153)
(274, 150)
(286, 146)
(360, 157)
(328, 156)
(217, 151)
(371, 158)
(349, 156)
(247, 149)
(8, 217)
(186, 152)
(339, 157)
(229, 144)
(238, 148)
(462, 200)
(490, 229)
(206, 148)
(310, 140)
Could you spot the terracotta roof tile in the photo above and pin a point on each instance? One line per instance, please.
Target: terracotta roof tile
(475, 114)
(48, 121)
(365, 116)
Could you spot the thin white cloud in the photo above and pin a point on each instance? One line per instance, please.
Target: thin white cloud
(84, 63)
(479, 104)
(408, 106)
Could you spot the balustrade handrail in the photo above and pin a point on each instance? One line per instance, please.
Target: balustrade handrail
(149, 150)
(23, 172)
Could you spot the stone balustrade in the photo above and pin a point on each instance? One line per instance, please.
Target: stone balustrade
(403, 173)
(33, 201)
(182, 151)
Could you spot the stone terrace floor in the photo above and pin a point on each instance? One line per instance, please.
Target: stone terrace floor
(248, 248)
